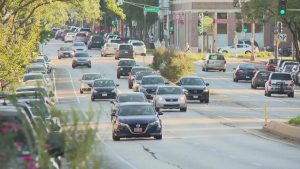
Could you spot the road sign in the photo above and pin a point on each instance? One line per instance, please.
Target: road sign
(282, 37)
(152, 9)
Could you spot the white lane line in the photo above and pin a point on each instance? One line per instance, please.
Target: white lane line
(85, 115)
(73, 86)
(54, 82)
(115, 154)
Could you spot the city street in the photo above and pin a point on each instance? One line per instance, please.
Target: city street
(226, 133)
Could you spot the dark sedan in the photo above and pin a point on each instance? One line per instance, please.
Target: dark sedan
(260, 79)
(136, 120)
(195, 88)
(133, 72)
(149, 85)
(65, 52)
(124, 67)
(104, 89)
(244, 72)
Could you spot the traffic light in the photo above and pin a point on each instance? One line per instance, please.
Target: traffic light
(245, 29)
(279, 27)
(200, 26)
(171, 26)
(282, 7)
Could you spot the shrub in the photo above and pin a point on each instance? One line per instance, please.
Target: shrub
(196, 56)
(295, 121)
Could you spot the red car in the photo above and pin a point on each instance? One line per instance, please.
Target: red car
(133, 72)
(271, 65)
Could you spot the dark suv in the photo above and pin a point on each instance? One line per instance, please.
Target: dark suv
(95, 42)
(124, 51)
(124, 67)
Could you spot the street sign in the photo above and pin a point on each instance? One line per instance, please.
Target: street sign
(152, 9)
(282, 37)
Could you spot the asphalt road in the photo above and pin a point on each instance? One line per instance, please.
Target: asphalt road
(222, 134)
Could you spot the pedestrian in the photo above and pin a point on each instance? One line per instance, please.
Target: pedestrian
(151, 41)
(187, 48)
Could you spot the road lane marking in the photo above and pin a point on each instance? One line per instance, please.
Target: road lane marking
(73, 86)
(115, 154)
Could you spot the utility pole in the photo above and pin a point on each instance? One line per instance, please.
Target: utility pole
(242, 31)
(145, 30)
(252, 40)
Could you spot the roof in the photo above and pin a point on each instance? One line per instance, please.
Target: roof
(151, 76)
(30, 87)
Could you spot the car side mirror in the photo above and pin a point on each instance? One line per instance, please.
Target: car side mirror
(117, 85)
(160, 113)
(178, 84)
(167, 82)
(55, 124)
(207, 84)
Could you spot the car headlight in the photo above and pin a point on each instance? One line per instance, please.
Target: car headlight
(182, 98)
(160, 98)
(205, 90)
(155, 123)
(121, 68)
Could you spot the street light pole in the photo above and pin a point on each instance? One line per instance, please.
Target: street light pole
(242, 31)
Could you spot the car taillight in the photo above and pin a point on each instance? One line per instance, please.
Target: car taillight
(106, 49)
(292, 83)
(207, 62)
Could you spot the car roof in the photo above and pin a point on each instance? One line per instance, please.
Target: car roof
(30, 87)
(27, 74)
(151, 76)
(104, 79)
(36, 65)
(135, 104)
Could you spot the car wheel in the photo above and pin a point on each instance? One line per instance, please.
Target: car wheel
(235, 80)
(269, 94)
(118, 76)
(183, 109)
(159, 137)
(224, 70)
(247, 52)
(130, 86)
(206, 69)
(201, 101)
(73, 66)
(115, 138)
(89, 66)
(207, 100)
(203, 69)
(92, 98)
(81, 92)
(291, 94)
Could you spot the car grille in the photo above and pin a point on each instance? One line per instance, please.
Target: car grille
(126, 69)
(171, 100)
(143, 126)
(151, 91)
(195, 91)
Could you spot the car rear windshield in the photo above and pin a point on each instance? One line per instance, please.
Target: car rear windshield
(169, 90)
(138, 44)
(264, 74)
(131, 98)
(81, 35)
(39, 108)
(126, 63)
(153, 80)
(81, 55)
(134, 70)
(193, 81)
(247, 67)
(32, 77)
(104, 83)
(216, 57)
(66, 48)
(96, 38)
(136, 110)
(140, 75)
(125, 47)
(281, 76)
(91, 77)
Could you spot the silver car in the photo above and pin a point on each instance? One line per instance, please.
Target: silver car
(214, 61)
(87, 80)
(79, 47)
(280, 83)
(170, 97)
(81, 59)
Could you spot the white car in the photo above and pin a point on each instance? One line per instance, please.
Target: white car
(239, 49)
(280, 83)
(70, 37)
(139, 48)
(286, 63)
(109, 49)
(79, 47)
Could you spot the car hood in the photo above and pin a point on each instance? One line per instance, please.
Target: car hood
(193, 87)
(170, 96)
(137, 119)
(103, 89)
(82, 58)
(152, 86)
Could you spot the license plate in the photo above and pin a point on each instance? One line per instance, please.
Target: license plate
(104, 94)
(126, 51)
(138, 130)
(195, 97)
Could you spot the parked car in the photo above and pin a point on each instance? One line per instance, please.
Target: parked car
(59, 34)
(41, 60)
(246, 41)
(271, 65)
(109, 49)
(280, 83)
(124, 51)
(36, 68)
(69, 37)
(239, 49)
(195, 88)
(133, 72)
(95, 42)
(170, 97)
(118, 41)
(81, 59)
(136, 120)
(87, 80)
(285, 51)
(214, 61)
(139, 48)
(104, 89)
(260, 78)
(124, 67)
(79, 47)
(150, 83)
(244, 72)
(63, 52)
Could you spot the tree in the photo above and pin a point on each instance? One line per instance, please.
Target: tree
(264, 10)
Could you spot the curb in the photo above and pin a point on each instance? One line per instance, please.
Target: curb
(283, 129)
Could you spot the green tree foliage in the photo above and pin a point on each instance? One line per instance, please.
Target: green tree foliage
(264, 10)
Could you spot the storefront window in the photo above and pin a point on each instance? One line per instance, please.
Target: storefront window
(222, 16)
(222, 28)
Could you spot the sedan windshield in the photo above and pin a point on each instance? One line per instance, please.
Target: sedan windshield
(140, 75)
(65, 49)
(91, 76)
(104, 83)
(79, 44)
(127, 63)
(153, 80)
(136, 110)
(131, 98)
(169, 90)
(79, 55)
(192, 81)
